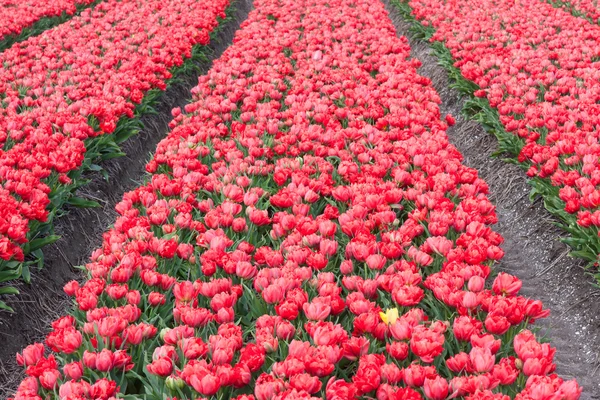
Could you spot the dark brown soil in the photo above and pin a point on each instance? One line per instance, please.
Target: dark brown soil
(81, 230)
(532, 244)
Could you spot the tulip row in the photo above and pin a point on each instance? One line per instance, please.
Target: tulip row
(70, 96)
(307, 232)
(531, 72)
(21, 19)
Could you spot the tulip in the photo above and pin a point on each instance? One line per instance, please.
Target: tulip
(346, 267)
(155, 299)
(174, 383)
(476, 283)
(31, 354)
(436, 389)
(285, 331)
(482, 359)
(105, 360)
(398, 350)
(306, 382)
(497, 324)
(570, 390)
(208, 385)
(470, 300)
(73, 388)
(506, 284)
(71, 288)
(49, 379)
(161, 367)
(29, 384)
(273, 294)
(316, 311)
(376, 261)
(390, 316)
(73, 370)
(103, 388)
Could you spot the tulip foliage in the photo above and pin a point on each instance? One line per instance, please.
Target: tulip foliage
(20, 18)
(69, 97)
(531, 72)
(306, 232)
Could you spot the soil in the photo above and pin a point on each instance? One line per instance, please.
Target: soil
(532, 244)
(81, 230)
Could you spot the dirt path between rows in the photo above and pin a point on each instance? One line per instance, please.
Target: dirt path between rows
(81, 230)
(533, 250)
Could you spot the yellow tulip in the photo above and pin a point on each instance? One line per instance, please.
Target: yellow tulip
(389, 316)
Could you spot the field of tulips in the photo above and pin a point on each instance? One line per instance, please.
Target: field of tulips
(532, 72)
(307, 231)
(581, 8)
(70, 96)
(25, 18)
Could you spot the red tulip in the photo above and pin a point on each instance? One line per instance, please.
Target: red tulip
(160, 367)
(73, 370)
(208, 385)
(436, 389)
(482, 359)
(506, 284)
(31, 354)
(49, 379)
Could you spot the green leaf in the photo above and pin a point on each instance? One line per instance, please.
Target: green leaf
(11, 275)
(8, 290)
(587, 255)
(83, 203)
(41, 242)
(95, 167)
(4, 306)
(39, 256)
(124, 134)
(25, 274)
(116, 154)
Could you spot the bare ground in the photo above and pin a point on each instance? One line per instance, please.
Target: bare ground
(532, 244)
(43, 300)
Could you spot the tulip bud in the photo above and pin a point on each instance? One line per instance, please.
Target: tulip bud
(346, 267)
(470, 300)
(174, 382)
(519, 364)
(163, 332)
(476, 283)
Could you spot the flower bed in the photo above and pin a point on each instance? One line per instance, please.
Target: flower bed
(531, 70)
(581, 8)
(18, 16)
(307, 232)
(69, 97)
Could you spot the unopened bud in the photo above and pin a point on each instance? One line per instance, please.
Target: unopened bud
(163, 332)
(519, 364)
(174, 382)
